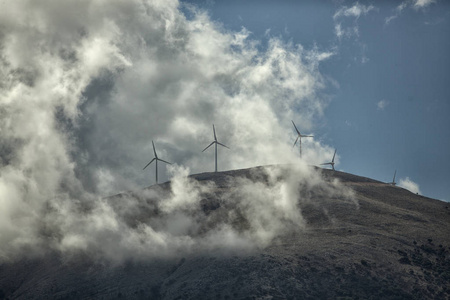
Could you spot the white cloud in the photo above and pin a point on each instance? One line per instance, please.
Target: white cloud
(398, 10)
(354, 11)
(422, 3)
(346, 24)
(416, 4)
(389, 19)
(338, 30)
(381, 105)
(402, 6)
(315, 56)
(346, 32)
(409, 185)
(86, 85)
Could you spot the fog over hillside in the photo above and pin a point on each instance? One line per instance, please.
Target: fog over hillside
(164, 221)
(265, 232)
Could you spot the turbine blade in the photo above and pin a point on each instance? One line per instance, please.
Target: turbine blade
(215, 138)
(154, 150)
(325, 164)
(164, 161)
(393, 180)
(208, 146)
(295, 141)
(149, 163)
(223, 145)
(296, 128)
(334, 155)
(307, 136)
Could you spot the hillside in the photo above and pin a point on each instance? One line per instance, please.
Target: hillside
(358, 239)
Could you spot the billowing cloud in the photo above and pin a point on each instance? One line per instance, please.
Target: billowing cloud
(409, 185)
(85, 86)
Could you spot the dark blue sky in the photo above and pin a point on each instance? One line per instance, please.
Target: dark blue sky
(388, 80)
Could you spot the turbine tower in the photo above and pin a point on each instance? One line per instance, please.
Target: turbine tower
(215, 142)
(299, 138)
(393, 180)
(156, 162)
(332, 161)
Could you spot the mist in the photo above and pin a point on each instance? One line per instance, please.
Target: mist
(85, 86)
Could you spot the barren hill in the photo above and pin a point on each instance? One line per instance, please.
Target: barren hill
(359, 239)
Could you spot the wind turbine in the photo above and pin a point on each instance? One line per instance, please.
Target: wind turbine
(299, 138)
(393, 180)
(215, 142)
(332, 161)
(156, 162)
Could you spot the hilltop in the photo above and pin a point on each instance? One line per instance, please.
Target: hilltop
(359, 239)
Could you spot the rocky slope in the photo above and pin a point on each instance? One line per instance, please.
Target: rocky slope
(386, 243)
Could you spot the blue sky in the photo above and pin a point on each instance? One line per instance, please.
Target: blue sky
(387, 80)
